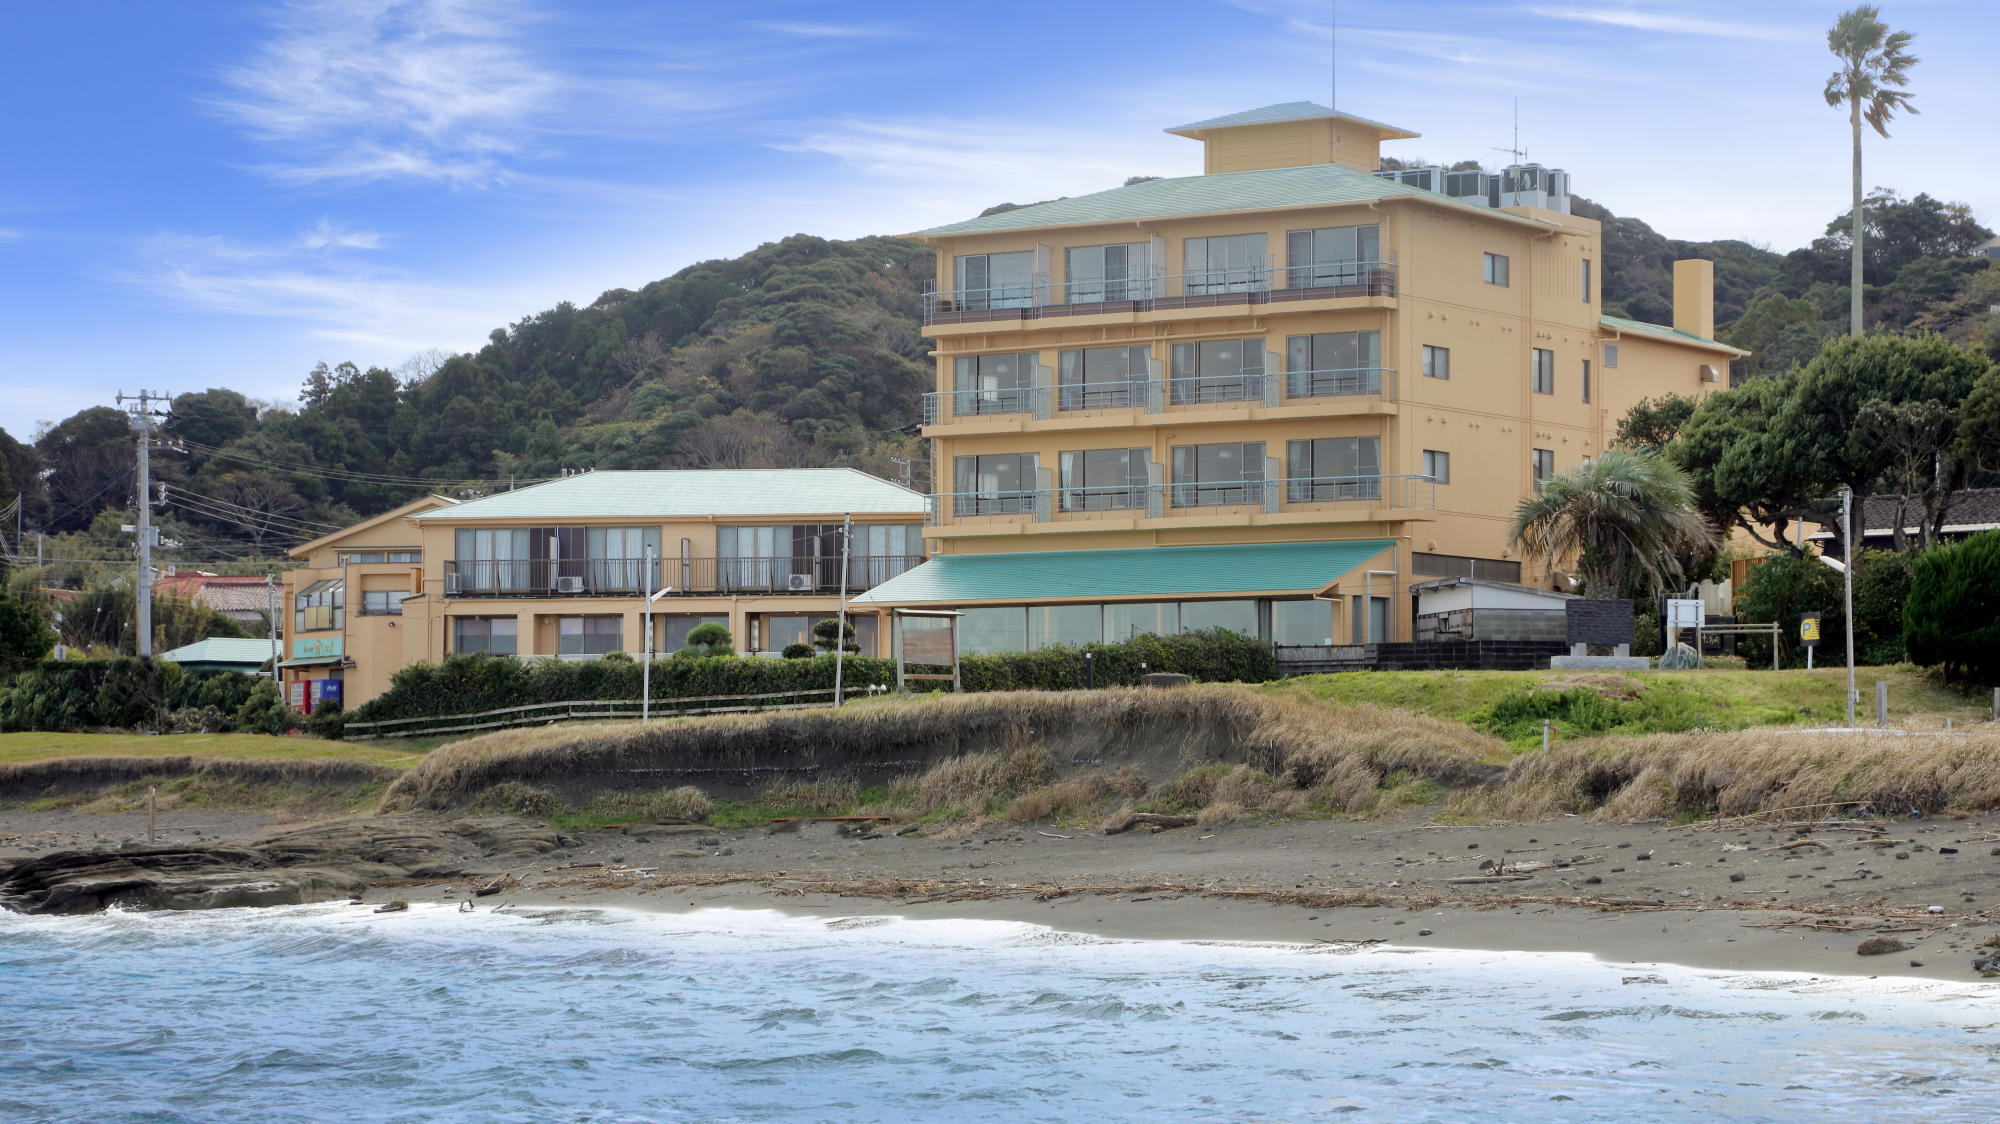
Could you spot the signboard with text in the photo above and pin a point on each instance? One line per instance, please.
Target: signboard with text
(1684, 612)
(316, 647)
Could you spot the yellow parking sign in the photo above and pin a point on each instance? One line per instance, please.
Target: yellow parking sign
(1809, 629)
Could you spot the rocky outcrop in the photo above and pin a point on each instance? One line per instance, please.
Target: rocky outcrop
(311, 864)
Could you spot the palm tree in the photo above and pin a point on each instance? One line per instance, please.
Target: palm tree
(1873, 68)
(1627, 514)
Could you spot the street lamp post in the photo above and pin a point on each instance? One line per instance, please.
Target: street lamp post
(646, 672)
(1847, 573)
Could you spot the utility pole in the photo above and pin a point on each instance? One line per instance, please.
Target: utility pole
(143, 413)
(271, 611)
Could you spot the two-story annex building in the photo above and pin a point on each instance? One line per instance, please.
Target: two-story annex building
(1270, 397)
(563, 569)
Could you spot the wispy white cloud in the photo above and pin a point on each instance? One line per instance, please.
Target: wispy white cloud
(809, 30)
(329, 235)
(331, 297)
(10, 235)
(976, 159)
(365, 90)
(1671, 23)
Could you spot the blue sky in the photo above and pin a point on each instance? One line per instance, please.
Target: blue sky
(224, 193)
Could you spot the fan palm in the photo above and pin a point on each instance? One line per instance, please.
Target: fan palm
(1625, 516)
(1873, 68)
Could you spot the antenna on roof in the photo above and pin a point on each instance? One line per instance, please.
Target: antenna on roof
(1519, 154)
(1333, 54)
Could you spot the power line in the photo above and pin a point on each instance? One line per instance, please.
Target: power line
(216, 501)
(262, 523)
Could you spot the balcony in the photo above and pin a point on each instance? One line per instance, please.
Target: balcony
(1249, 285)
(688, 577)
(1168, 501)
(1161, 396)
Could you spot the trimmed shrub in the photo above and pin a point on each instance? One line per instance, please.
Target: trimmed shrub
(798, 650)
(1214, 656)
(1952, 615)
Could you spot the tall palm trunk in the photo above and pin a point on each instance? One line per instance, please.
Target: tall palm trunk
(1854, 266)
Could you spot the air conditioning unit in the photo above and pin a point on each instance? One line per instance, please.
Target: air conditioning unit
(453, 583)
(569, 583)
(1430, 177)
(800, 583)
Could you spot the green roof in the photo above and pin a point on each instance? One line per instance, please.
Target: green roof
(1280, 113)
(1161, 571)
(219, 650)
(1313, 185)
(1624, 325)
(696, 492)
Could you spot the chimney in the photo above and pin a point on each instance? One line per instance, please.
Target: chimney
(1694, 297)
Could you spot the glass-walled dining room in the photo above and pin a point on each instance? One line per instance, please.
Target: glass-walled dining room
(1025, 628)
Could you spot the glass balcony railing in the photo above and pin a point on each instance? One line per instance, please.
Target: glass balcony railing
(1164, 501)
(687, 577)
(1160, 395)
(1249, 284)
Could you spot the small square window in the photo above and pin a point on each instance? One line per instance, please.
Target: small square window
(1437, 466)
(1496, 269)
(1437, 362)
(1611, 355)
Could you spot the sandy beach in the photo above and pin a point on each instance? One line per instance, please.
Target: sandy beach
(1741, 899)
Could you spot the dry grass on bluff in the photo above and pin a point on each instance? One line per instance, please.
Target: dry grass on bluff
(1026, 755)
(304, 786)
(1737, 772)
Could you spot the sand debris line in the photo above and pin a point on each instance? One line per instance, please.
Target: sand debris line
(1803, 815)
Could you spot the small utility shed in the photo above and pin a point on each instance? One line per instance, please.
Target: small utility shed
(1478, 609)
(222, 654)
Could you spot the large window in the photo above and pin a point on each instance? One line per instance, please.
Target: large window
(1371, 620)
(1544, 466)
(996, 280)
(320, 606)
(1334, 468)
(1496, 269)
(373, 557)
(981, 631)
(1333, 255)
(1218, 371)
(493, 560)
(1301, 622)
(994, 384)
(880, 551)
(674, 628)
(1223, 474)
(1123, 621)
(995, 484)
(495, 635)
(1333, 363)
(1544, 375)
(589, 636)
(1098, 377)
(1437, 362)
(1232, 263)
(1107, 273)
(383, 602)
(1236, 616)
(1105, 479)
(1071, 626)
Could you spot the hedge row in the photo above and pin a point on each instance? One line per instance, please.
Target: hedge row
(127, 693)
(1952, 614)
(469, 684)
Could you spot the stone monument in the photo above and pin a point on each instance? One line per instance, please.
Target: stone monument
(1601, 623)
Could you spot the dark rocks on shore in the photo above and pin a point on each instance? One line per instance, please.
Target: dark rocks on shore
(1878, 946)
(323, 862)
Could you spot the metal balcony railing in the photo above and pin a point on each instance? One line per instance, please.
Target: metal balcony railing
(1252, 284)
(1160, 395)
(687, 577)
(1164, 501)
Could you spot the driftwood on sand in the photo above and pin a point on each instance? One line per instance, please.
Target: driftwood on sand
(1154, 819)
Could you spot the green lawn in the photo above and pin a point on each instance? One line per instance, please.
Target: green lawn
(23, 748)
(1667, 699)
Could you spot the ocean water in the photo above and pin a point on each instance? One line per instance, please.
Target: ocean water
(332, 1013)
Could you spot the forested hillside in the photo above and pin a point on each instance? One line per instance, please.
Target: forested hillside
(801, 352)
